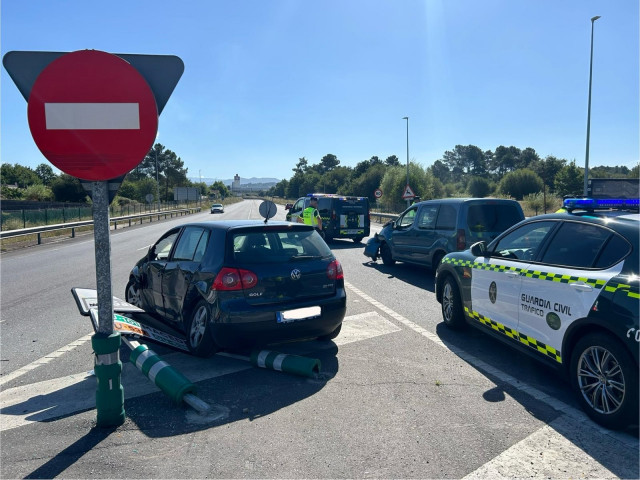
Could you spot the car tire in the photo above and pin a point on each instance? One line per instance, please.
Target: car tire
(600, 364)
(332, 335)
(385, 254)
(133, 293)
(197, 330)
(357, 239)
(451, 304)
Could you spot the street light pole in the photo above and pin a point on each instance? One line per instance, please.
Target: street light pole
(586, 157)
(407, 119)
(157, 182)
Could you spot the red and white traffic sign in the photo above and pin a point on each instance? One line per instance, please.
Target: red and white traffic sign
(92, 115)
(408, 193)
(377, 193)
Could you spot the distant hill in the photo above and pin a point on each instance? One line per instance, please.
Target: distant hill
(243, 181)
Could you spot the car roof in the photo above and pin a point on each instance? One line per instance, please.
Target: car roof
(467, 199)
(624, 223)
(257, 224)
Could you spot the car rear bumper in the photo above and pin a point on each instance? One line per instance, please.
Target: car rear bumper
(258, 326)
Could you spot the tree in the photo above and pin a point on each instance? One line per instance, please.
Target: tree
(301, 166)
(570, 180)
(18, 175)
(45, 173)
(392, 161)
(520, 183)
(464, 160)
(440, 171)
(221, 188)
(38, 193)
(328, 163)
(68, 189)
(365, 184)
(547, 169)
(479, 187)
(505, 159)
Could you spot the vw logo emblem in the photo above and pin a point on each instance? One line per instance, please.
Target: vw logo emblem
(295, 274)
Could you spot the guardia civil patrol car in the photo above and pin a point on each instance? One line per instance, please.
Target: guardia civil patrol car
(563, 288)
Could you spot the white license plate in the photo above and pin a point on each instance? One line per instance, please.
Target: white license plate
(351, 231)
(298, 314)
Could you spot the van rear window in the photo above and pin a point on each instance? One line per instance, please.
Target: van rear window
(492, 218)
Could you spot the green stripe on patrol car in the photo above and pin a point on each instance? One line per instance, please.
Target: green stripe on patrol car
(515, 335)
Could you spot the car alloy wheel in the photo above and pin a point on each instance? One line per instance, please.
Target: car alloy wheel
(133, 294)
(199, 340)
(198, 326)
(451, 304)
(601, 380)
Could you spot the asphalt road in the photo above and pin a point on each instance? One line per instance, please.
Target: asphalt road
(398, 396)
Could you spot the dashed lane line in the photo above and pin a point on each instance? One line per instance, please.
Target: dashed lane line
(573, 413)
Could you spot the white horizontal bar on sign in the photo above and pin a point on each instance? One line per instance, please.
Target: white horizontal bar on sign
(92, 116)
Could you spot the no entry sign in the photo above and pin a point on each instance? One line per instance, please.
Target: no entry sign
(92, 115)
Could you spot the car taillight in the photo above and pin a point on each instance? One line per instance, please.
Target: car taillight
(461, 241)
(334, 270)
(234, 279)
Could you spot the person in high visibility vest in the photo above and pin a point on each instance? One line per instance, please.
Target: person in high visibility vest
(311, 215)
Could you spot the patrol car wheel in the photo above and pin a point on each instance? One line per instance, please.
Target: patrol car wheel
(451, 304)
(357, 240)
(385, 254)
(603, 376)
(199, 338)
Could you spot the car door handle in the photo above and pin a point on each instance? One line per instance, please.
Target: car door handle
(581, 287)
(512, 274)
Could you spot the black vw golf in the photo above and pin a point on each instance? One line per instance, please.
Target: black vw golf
(241, 283)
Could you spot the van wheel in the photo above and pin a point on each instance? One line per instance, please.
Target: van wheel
(357, 239)
(605, 381)
(385, 254)
(451, 304)
(198, 333)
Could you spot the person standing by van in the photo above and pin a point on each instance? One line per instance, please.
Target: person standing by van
(311, 215)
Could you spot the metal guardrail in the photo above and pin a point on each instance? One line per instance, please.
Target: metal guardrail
(73, 225)
(381, 216)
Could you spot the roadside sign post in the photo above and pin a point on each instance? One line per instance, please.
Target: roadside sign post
(94, 115)
(408, 194)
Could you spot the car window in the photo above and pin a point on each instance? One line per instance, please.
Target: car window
(202, 247)
(427, 216)
(523, 243)
(492, 217)
(613, 252)
(407, 219)
(189, 240)
(324, 206)
(576, 245)
(278, 247)
(446, 218)
(162, 248)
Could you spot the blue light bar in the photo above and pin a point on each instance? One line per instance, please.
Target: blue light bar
(601, 203)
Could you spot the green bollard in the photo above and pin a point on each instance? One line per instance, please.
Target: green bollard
(108, 370)
(282, 362)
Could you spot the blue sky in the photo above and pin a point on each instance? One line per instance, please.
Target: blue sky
(269, 81)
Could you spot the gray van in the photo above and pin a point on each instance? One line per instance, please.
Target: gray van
(426, 231)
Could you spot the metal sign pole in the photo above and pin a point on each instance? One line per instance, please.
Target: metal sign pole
(106, 342)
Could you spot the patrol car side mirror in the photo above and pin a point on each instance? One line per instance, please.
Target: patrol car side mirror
(479, 249)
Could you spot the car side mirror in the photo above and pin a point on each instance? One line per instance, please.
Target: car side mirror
(152, 252)
(479, 249)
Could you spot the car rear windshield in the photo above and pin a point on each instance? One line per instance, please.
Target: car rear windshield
(492, 218)
(278, 246)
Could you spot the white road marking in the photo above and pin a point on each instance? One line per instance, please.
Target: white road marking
(575, 414)
(44, 360)
(561, 449)
(44, 401)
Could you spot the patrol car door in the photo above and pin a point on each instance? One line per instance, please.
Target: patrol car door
(296, 210)
(573, 269)
(496, 279)
(404, 236)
